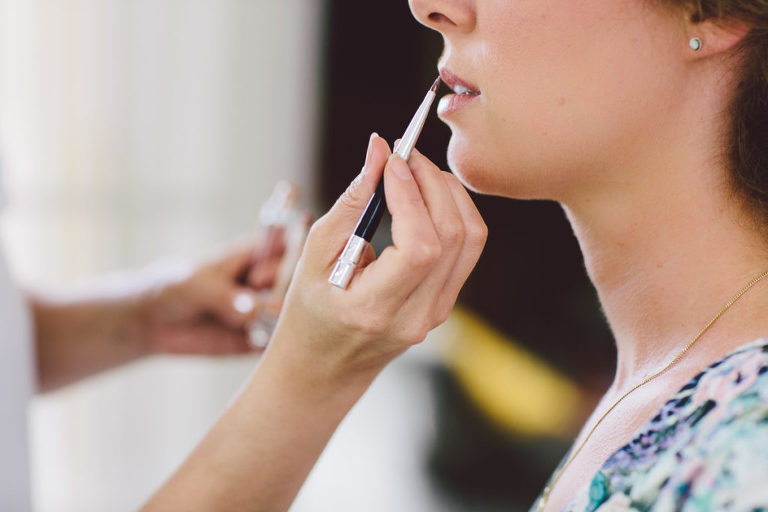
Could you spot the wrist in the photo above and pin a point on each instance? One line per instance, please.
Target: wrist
(141, 312)
(314, 378)
(155, 302)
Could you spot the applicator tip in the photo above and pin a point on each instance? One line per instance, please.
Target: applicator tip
(435, 85)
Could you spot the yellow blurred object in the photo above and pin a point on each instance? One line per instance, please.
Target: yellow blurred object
(518, 391)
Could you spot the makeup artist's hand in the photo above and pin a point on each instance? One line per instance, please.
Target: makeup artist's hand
(394, 300)
(330, 343)
(162, 309)
(209, 310)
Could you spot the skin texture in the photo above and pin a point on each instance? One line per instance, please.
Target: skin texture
(567, 91)
(599, 105)
(193, 312)
(329, 343)
(602, 106)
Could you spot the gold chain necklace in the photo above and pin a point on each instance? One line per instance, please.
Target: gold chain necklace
(548, 489)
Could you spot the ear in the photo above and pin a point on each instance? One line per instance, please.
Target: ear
(717, 34)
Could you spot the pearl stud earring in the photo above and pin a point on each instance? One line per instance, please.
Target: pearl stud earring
(695, 44)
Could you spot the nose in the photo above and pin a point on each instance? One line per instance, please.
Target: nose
(445, 16)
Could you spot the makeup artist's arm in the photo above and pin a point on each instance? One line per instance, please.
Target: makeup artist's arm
(330, 344)
(190, 312)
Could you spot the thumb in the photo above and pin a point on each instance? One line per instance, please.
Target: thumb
(342, 217)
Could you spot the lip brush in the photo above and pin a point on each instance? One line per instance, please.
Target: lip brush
(369, 221)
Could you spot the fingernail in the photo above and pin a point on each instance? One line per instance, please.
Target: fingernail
(370, 150)
(243, 303)
(399, 167)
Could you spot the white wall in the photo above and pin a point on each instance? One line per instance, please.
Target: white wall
(132, 130)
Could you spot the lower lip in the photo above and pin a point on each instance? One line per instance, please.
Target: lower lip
(450, 103)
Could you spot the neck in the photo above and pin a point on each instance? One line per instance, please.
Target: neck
(666, 251)
(658, 288)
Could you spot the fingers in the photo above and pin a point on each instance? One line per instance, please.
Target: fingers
(395, 299)
(447, 220)
(416, 247)
(263, 275)
(272, 246)
(234, 306)
(253, 262)
(460, 233)
(437, 238)
(333, 229)
(228, 287)
(234, 262)
(475, 236)
(359, 192)
(462, 237)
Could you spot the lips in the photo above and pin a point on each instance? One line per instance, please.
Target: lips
(464, 93)
(458, 85)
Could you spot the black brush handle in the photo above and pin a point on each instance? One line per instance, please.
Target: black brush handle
(366, 226)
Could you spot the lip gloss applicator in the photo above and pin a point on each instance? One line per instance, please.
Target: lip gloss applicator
(369, 221)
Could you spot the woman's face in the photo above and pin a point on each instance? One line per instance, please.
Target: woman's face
(569, 92)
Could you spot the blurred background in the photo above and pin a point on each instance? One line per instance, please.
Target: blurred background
(133, 131)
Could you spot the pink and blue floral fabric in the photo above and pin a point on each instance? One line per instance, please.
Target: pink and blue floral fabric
(705, 450)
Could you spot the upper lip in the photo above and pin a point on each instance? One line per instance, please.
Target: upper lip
(455, 82)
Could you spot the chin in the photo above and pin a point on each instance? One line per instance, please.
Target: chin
(470, 163)
(467, 166)
(483, 171)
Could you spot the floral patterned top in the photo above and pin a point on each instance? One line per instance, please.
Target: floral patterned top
(706, 449)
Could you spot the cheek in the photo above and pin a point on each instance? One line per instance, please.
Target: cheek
(559, 105)
(526, 74)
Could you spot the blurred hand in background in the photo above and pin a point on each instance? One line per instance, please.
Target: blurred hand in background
(202, 309)
(209, 311)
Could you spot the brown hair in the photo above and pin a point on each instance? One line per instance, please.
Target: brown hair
(747, 147)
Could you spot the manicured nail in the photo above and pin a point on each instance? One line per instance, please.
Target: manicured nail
(399, 167)
(370, 150)
(243, 303)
